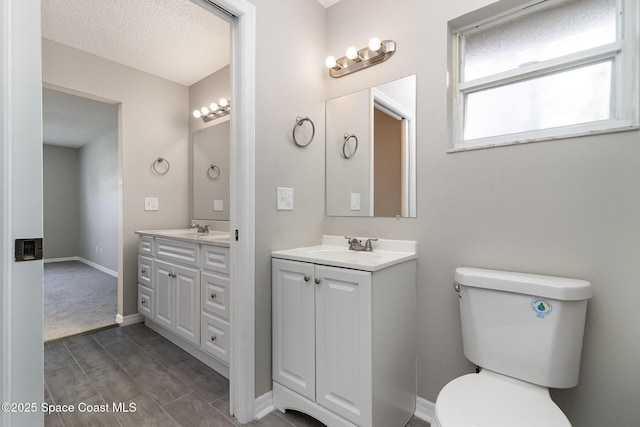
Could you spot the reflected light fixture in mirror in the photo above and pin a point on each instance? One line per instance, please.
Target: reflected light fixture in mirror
(214, 111)
(355, 60)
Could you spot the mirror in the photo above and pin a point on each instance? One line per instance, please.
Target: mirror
(211, 172)
(371, 151)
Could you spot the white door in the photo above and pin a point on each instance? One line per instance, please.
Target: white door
(187, 303)
(294, 326)
(343, 343)
(21, 336)
(163, 276)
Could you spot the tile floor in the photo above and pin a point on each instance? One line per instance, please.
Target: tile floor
(134, 365)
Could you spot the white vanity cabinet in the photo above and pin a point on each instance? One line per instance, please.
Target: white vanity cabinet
(183, 293)
(344, 341)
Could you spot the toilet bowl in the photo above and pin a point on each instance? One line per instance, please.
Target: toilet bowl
(525, 332)
(489, 399)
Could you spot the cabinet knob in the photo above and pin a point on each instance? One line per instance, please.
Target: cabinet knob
(318, 280)
(306, 278)
(144, 301)
(143, 271)
(213, 338)
(214, 296)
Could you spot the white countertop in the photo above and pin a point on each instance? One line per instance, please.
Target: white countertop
(334, 251)
(215, 238)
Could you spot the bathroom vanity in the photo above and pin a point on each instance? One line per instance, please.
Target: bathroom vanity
(183, 291)
(344, 332)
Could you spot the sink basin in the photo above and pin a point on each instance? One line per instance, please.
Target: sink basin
(335, 252)
(340, 254)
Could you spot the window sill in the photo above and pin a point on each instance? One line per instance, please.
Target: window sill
(545, 135)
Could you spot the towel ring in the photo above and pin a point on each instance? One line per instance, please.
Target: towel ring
(299, 122)
(213, 172)
(347, 137)
(159, 162)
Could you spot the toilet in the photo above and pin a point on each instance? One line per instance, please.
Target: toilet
(524, 332)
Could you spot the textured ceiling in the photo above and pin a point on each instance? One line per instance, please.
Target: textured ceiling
(73, 121)
(175, 40)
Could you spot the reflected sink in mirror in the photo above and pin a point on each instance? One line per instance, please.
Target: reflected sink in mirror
(190, 234)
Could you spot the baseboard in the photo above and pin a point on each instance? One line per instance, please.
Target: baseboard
(131, 319)
(263, 405)
(84, 261)
(424, 409)
(64, 259)
(98, 267)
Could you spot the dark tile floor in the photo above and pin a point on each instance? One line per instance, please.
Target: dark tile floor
(134, 366)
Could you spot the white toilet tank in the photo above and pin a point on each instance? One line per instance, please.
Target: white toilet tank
(526, 326)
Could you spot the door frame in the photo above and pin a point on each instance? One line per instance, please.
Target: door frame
(242, 17)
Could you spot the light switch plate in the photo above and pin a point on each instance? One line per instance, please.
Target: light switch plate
(284, 199)
(151, 204)
(218, 205)
(355, 201)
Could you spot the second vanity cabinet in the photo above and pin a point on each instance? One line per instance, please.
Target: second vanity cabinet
(344, 341)
(183, 292)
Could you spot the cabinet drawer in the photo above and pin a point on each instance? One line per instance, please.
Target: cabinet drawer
(215, 336)
(145, 271)
(182, 252)
(215, 293)
(145, 245)
(145, 301)
(215, 258)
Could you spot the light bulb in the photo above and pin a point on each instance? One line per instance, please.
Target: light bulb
(223, 102)
(352, 53)
(197, 114)
(213, 107)
(330, 62)
(204, 111)
(375, 44)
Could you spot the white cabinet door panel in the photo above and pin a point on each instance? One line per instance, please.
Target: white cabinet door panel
(294, 326)
(163, 276)
(187, 303)
(344, 343)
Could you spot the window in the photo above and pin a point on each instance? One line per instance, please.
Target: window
(549, 69)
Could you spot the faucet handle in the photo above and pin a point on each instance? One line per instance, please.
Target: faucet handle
(205, 229)
(367, 245)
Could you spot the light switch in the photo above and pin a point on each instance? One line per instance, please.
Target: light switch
(355, 201)
(284, 199)
(151, 204)
(218, 205)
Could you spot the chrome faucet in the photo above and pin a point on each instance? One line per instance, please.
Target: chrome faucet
(356, 245)
(201, 229)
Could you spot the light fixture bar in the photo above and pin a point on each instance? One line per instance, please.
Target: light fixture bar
(365, 58)
(214, 111)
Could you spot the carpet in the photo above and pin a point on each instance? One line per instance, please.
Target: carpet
(77, 298)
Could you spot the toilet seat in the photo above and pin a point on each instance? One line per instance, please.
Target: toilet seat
(489, 399)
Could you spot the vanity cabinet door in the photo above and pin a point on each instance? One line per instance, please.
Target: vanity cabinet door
(344, 343)
(294, 343)
(163, 275)
(187, 303)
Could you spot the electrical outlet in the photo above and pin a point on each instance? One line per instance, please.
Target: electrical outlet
(284, 199)
(151, 204)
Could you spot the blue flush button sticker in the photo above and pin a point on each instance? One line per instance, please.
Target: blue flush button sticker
(541, 307)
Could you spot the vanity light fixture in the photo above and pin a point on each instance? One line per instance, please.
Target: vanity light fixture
(355, 60)
(214, 111)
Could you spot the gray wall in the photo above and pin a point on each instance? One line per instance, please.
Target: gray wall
(60, 202)
(98, 204)
(567, 208)
(286, 88)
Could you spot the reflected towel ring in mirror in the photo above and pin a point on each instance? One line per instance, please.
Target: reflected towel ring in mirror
(347, 137)
(160, 166)
(299, 122)
(213, 172)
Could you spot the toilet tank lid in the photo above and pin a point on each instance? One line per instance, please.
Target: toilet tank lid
(560, 288)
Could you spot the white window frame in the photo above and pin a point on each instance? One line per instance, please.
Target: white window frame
(625, 99)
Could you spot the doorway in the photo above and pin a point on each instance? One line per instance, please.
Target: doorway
(80, 213)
